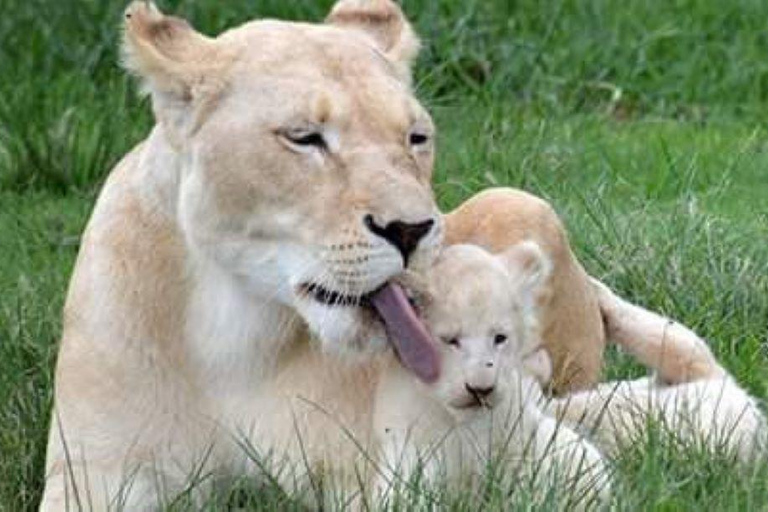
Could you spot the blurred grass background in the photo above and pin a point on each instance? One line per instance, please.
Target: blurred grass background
(643, 123)
(67, 112)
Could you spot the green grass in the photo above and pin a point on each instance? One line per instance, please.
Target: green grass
(640, 121)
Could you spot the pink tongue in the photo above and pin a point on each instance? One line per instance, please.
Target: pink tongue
(413, 343)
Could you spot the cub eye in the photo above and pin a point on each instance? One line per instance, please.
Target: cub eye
(454, 342)
(418, 139)
(500, 339)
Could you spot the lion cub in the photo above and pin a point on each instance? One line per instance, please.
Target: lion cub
(484, 411)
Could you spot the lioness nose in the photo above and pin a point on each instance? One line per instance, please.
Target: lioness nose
(479, 392)
(404, 236)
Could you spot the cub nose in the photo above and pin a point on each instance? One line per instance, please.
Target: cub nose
(479, 392)
(403, 235)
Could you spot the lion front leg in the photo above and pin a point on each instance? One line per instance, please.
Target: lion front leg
(567, 461)
(405, 469)
(95, 487)
(120, 472)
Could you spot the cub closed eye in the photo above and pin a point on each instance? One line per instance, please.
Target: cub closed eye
(454, 342)
(499, 339)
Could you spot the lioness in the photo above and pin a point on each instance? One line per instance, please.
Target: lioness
(485, 410)
(287, 179)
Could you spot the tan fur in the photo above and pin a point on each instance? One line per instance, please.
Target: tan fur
(188, 331)
(571, 321)
(675, 352)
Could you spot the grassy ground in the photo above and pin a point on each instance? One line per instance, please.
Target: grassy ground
(640, 121)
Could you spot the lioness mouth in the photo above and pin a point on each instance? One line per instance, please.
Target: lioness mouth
(333, 298)
(410, 338)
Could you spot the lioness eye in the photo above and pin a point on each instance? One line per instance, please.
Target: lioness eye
(499, 339)
(315, 139)
(417, 139)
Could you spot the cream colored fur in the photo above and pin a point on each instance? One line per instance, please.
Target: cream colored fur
(189, 332)
(691, 396)
(484, 309)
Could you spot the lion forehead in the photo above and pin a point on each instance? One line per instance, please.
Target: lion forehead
(472, 292)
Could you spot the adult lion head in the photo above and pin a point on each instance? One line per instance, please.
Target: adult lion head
(306, 159)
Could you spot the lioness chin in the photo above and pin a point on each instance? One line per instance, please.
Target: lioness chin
(287, 179)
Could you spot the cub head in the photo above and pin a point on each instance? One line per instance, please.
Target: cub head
(302, 157)
(483, 310)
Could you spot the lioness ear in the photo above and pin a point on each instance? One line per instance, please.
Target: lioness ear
(529, 269)
(385, 23)
(180, 67)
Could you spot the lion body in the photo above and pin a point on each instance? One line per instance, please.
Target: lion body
(193, 328)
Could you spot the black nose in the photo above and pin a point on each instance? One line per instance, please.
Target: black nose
(479, 392)
(402, 235)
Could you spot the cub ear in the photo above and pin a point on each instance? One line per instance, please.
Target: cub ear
(385, 23)
(529, 268)
(178, 64)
